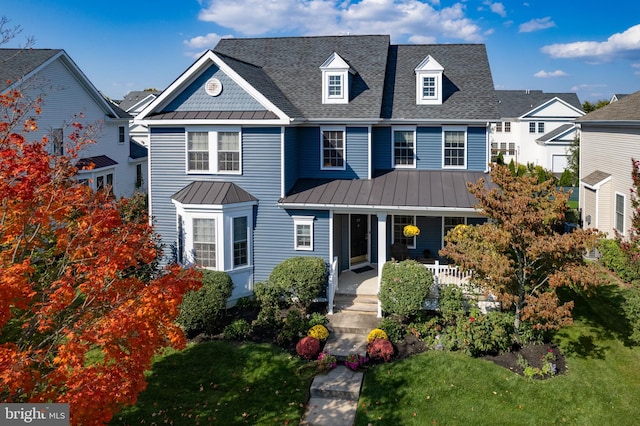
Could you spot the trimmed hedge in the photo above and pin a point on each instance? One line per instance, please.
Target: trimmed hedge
(405, 286)
(201, 309)
(299, 279)
(615, 259)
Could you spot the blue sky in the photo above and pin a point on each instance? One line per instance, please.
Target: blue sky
(588, 47)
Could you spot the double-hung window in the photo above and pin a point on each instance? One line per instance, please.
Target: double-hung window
(214, 151)
(121, 134)
(428, 87)
(540, 127)
(454, 148)
(507, 126)
(333, 149)
(399, 222)
(404, 148)
(303, 232)
(499, 127)
(240, 242)
(334, 85)
(532, 127)
(57, 136)
(204, 242)
(619, 217)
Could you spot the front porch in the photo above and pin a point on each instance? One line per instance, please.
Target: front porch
(364, 283)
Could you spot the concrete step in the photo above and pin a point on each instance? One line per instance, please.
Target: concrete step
(339, 383)
(356, 298)
(355, 303)
(353, 322)
(341, 345)
(330, 412)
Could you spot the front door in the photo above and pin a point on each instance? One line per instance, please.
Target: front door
(359, 232)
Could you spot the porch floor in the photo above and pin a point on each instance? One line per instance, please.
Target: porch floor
(363, 283)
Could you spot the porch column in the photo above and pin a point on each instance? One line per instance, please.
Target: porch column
(382, 251)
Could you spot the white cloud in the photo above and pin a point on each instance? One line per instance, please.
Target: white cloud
(496, 8)
(402, 19)
(203, 42)
(618, 45)
(537, 25)
(550, 74)
(585, 87)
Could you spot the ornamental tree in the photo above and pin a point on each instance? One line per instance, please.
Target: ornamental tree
(83, 307)
(518, 255)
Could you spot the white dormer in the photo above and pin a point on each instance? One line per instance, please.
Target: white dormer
(336, 79)
(429, 82)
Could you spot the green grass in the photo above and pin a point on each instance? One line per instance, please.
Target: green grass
(601, 385)
(222, 383)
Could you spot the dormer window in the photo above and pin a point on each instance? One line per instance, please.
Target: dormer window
(336, 79)
(429, 82)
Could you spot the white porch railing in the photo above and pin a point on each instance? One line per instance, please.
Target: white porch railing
(447, 274)
(332, 285)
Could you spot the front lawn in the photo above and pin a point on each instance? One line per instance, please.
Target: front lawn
(444, 388)
(223, 383)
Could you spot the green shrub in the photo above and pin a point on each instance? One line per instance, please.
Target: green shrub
(393, 327)
(452, 303)
(631, 308)
(268, 297)
(200, 310)
(485, 334)
(404, 287)
(615, 259)
(294, 326)
(317, 318)
(237, 330)
(300, 279)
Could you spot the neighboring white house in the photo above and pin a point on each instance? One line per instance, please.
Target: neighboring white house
(610, 139)
(67, 97)
(536, 127)
(133, 103)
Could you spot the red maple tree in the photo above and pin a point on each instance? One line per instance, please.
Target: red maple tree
(83, 306)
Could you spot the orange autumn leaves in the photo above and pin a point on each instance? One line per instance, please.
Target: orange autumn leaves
(82, 310)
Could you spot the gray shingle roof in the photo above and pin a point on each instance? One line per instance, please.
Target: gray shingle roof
(595, 178)
(16, 63)
(556, 132)
(468, 91)
(293, 64)
(625, 109)
(214, 115)
(214, 193)
(418, 189)
(134, 97)
(516, 103)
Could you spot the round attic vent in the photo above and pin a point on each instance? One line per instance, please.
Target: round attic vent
(213, 87)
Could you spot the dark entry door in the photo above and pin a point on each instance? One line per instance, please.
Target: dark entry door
(359, 238)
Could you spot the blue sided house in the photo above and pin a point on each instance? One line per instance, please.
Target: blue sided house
(270, 148)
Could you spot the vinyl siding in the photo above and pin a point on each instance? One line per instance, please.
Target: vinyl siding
(290, 158)
(381, 142)
(232, 97)
(429, 148)
(286, 237)
(261, 177)
(477, 149)
(609, 150)
(66, 101)
(309, 161)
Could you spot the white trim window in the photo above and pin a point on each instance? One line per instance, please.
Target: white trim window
(204, 242)
(57, 139)
(214, 151)
(240, 241)
(450, 222)
(454, 147)
(404, 148)
(334, 86)
(303, 232)
(213, 236)
(121, 134)
(429, 88)
(333, 149)
(399, 222)
(532, 127)
(619, 213)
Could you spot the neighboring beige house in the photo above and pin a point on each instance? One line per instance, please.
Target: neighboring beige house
(610, 139)
(535, 127)
(68, 96)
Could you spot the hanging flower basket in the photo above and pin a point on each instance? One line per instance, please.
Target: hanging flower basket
(411, 231)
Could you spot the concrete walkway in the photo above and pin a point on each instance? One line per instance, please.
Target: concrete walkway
(334, 396)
